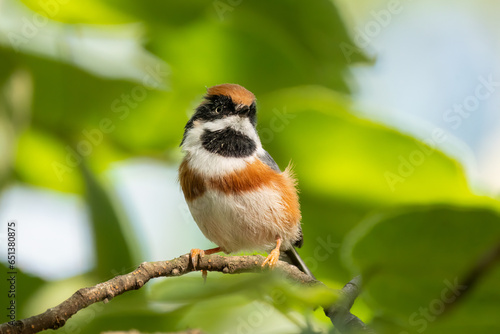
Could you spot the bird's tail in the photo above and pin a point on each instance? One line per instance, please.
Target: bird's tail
(291, 256)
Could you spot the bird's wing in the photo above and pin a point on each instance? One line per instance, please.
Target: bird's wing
(300, 241)
(268, 160)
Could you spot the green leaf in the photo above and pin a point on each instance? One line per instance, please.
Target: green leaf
(341, 163)
(414, 262)
(6, 149)
(88, 120)
(239, 295)
(117, 249)
(7, 65)
(25, 286)
(264, 296)
(143, 320)
(257, 286)
(87, 12)
(336, 153)
(56, 167)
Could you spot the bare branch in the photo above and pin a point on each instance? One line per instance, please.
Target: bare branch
(57, 316)
(340, 314)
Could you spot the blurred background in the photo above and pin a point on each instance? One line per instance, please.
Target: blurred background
(388, 111)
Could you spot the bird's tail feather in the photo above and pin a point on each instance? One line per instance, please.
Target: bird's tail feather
(291, 256)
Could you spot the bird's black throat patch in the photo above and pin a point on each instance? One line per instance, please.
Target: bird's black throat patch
(228, 142)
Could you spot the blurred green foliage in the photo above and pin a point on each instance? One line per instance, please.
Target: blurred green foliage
(65, 117)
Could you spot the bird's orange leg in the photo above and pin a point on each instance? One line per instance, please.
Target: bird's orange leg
(196, 254)
(274, 255)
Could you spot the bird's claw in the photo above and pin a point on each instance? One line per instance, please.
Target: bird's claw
(196, 254)
(272, 259)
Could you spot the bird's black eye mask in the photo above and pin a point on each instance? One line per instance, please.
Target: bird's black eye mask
(217, 107)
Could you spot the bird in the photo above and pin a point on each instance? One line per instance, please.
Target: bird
(235, 191)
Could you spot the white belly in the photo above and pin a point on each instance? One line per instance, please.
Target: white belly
(247, 221)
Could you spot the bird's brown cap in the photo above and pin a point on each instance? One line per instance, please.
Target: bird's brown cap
(237, 93)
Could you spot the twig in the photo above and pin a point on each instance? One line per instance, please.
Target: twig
(478, 271)
(57, 316)
(340, 314)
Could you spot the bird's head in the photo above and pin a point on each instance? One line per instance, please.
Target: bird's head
(224, 123)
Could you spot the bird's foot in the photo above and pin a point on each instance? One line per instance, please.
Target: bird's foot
(272, 258)
(196, 255)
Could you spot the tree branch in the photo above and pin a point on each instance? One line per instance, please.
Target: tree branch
(340, 314)
(57, 316)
